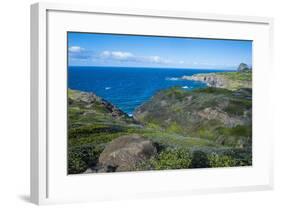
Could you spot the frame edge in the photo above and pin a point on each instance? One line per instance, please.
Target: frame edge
(34, 154)
(38, 37)
(38, 105)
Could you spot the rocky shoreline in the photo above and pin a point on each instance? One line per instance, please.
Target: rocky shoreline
(212, 80)
(242, 78)
(222, 80)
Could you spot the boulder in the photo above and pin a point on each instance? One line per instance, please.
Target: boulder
(125, 152)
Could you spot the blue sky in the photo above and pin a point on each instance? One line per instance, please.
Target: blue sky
(90, 49)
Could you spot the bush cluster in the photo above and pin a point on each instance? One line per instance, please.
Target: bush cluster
(199, 160)
(181, 158)
(82, 157)
(216, 160)
(170, 158)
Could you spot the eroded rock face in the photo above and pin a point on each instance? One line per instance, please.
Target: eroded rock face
(124, 153)
(228, 80)
(212, 80)
(217, 114)
(92, 101)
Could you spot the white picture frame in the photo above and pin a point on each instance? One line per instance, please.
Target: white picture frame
(49, 181)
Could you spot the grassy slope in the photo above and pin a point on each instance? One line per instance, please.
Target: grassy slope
(238, 80)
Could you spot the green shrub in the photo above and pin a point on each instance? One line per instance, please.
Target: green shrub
(199, 159)
(216, 160)
(76, 164)
(176, 158)
(173, 159)
(82, 157)
(243, 157)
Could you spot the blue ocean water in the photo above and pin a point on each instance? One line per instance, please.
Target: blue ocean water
(127, 88)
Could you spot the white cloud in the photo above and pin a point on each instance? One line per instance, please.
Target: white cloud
(127, 56)
(75, 49)
(76, 52)
(119, 55)
(155, 59)
(105, 53)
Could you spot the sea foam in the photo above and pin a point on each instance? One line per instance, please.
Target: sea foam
(172, 78)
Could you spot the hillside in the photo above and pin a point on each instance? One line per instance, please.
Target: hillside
(219, 115)
(95, 126)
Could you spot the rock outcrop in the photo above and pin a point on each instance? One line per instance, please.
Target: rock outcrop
(94, 103)
(227, 80)
(211, 79)
(243, 68)
(124, 153)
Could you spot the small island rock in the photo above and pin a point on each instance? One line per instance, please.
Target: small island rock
(243, 67)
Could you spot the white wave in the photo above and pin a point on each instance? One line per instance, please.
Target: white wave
(130, 114)
(172, 78)
(107, 88)
(185, 87)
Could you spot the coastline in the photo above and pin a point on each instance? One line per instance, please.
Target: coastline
(227, 80)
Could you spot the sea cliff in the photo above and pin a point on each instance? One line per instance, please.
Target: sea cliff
(227, 80)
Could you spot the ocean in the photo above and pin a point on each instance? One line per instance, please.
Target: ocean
(127, 88)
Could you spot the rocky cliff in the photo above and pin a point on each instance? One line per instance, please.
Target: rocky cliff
(227, 80)
(93, 105)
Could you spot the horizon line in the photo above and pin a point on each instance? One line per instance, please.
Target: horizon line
(153, 67)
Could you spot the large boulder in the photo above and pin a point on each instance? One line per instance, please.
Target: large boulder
(125, 152)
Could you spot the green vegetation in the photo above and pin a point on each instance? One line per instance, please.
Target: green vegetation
(237, 76)
(176, 158)
(183, 158)
(209, 127)
(221, 161)
(213, 114)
